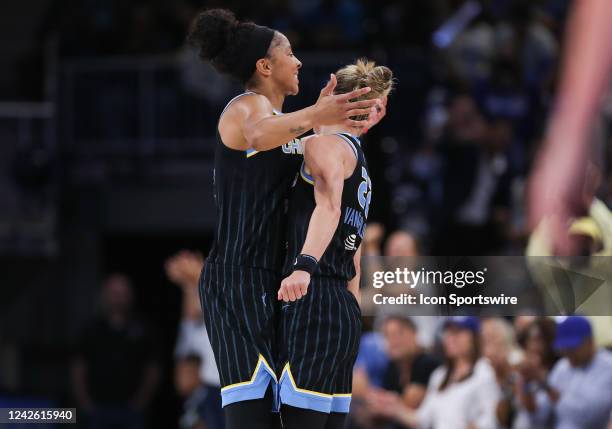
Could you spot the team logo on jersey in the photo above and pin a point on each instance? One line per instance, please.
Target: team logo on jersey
(364, 194)
(294, 147)
(349, 243)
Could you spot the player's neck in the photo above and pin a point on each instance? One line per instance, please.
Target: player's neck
(276, 96)
(334, 129)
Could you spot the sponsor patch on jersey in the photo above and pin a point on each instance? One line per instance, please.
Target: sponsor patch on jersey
(349, 243)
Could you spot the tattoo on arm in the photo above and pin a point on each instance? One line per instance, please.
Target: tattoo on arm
(297, 130)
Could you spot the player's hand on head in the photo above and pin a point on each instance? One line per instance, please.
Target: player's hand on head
(329, 87)
(326, 91)
(336, 109)
(294, 287)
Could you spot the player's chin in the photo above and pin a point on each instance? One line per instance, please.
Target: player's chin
(293, 89)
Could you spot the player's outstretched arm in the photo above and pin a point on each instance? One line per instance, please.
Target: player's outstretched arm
(264, 131)
(557, 178)
(323, 157)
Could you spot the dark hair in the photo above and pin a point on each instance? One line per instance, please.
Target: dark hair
(406, 321)
(231, 46)
(547, 329)
(449, 363)
(192, 358)
(404, 365)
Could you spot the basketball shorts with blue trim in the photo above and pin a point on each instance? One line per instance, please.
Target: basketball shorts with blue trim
(241, 309)
(319, 340)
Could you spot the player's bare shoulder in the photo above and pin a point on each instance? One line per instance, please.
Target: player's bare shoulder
(321, 146)
(329, 148)
(231, 123)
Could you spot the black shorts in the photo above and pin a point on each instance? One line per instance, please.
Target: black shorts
(319, 340)
(241, 314)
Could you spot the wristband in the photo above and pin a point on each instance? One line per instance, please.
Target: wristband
(305, 263)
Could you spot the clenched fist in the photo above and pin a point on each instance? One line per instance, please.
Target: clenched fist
(294, 287)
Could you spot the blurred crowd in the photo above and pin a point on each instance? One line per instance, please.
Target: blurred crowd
(459, 372)
(96, 27)
(530, 372)
(477, 82)
(484, 79)
(116, 369)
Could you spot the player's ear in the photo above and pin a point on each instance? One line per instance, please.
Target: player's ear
(264, 66)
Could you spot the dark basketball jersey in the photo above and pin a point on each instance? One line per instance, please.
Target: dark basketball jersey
(337, 261)
(250, 190)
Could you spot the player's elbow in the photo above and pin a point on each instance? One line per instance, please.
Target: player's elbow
(332, 210)
(335, 208)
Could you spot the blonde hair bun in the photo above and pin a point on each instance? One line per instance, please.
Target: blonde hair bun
(365, 73)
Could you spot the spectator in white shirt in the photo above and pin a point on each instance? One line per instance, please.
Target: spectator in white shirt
(463, 393)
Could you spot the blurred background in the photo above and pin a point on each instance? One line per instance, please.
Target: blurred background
(107, 124)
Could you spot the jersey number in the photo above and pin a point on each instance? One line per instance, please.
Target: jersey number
(364, 194)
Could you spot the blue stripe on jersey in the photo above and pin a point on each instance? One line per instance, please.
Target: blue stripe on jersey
(250, 152)
(307, 177)
(255, 388)
(341, 403)
(292, 395)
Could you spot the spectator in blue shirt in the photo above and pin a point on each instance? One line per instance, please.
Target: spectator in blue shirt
(579, 388)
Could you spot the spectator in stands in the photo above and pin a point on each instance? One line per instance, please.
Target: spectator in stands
(373, 238)
(189, 387)
(369, 372)
(579, 388)
(402, 249)
(194, 355)
(462, 394)
(401, 244)
(115, 372)
(519, 401)
(476, 182)
(499, 347)
(410, 368)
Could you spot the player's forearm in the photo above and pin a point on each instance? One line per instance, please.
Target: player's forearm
(407, 417)
(274, 131)
(321, 229)
(191, 304)
(587, 65)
